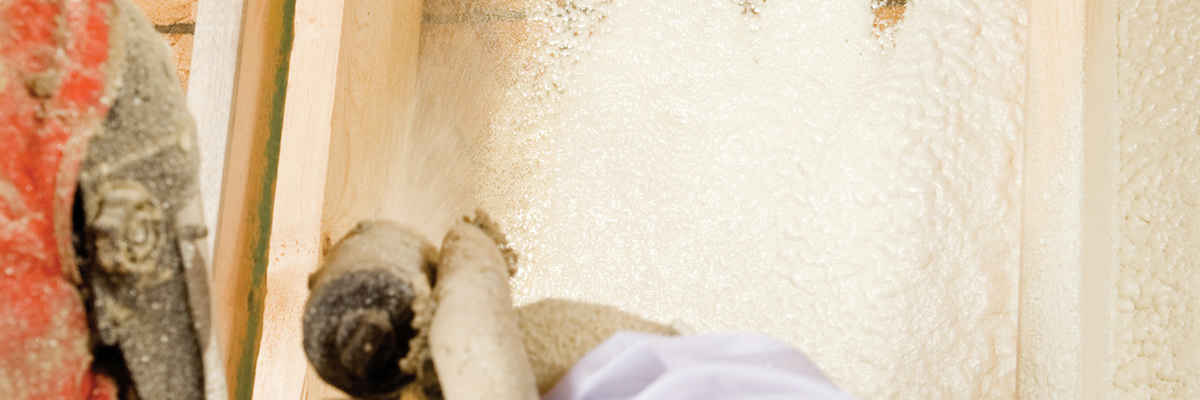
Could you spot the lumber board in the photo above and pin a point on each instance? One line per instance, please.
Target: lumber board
(294, 248)
(341, 111)
(248, 184)
(210, 95)
(1101, 168)
(375, 83)
(210, 99)
(1068, 225)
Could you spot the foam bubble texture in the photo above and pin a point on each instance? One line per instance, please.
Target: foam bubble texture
(1157, 344)
(782, 171)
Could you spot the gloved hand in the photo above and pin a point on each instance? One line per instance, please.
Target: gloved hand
(639, 366)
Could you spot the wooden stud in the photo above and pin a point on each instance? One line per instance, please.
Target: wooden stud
(248, 184)
(1068, 223)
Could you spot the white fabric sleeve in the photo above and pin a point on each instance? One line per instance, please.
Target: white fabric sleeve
(638, 366)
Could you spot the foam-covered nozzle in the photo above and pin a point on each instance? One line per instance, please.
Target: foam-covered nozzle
(364, 316)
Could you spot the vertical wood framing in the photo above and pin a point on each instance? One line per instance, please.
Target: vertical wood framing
(1067, 206)
(342, 108)
(210, 99)
(374, 93)
(1101, 166)
(248, 185)
(299, 195)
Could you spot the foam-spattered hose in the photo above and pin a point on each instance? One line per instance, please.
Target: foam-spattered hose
(475, 340)
(366, 318)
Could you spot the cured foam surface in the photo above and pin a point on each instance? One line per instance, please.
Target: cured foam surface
(1157, 343)
(786, 172)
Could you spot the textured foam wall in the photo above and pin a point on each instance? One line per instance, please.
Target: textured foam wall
(1157, 345)
(780, 169)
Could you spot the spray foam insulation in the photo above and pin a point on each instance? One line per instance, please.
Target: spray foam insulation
(770, 166)
(1157, 343)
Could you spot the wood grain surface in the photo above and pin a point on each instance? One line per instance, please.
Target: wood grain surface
(248, 186)
(1068, 215)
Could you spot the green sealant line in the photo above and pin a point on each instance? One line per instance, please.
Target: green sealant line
(261, 233)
